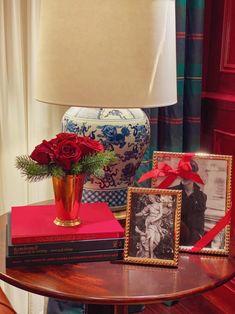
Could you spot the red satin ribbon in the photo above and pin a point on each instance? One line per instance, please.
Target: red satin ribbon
(209, 236)
(183, 170)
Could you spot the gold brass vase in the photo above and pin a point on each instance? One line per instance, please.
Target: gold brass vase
(68, 195)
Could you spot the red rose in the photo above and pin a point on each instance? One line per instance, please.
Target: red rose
(65, 149)
(67, 136)
(52, 146)
(66, 153)
(89, 146)
(42, 154)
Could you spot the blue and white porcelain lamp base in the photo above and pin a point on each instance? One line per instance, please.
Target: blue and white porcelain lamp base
(125, 131)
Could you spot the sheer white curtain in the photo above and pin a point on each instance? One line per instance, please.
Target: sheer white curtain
(24, 122)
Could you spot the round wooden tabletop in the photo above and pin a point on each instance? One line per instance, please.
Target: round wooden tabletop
(119, 283)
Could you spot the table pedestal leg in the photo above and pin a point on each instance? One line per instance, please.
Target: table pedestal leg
(120, 309)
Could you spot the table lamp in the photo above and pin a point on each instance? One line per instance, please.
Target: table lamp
(108, 58)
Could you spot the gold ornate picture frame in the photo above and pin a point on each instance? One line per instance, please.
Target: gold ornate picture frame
(206, 207)
(152, 226)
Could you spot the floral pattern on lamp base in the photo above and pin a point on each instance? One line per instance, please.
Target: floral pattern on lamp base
(124, 131)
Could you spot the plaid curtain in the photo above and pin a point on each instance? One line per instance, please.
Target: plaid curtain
(177, 128)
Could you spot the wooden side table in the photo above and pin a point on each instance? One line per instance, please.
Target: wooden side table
(117, 283)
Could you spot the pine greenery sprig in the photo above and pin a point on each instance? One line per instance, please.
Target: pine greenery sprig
(30, 169)
(88, 165)
(94, 164)
(56, 171)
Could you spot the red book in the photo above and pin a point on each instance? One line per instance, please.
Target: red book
(34, 223)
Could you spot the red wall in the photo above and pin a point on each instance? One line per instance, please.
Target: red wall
(218, 103)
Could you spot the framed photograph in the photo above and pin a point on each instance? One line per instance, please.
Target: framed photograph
(152, 226)
(206, 196)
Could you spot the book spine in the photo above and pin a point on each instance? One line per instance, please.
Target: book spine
(36, 260)
(66, 237)
(65, 247)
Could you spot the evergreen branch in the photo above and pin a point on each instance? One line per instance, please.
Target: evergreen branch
(95, 163)
(57, 171)
(30, 169)
(99, 173)
(76, 168)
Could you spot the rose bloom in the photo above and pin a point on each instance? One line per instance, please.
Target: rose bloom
(89, 146)
(67, 136)
(42, 154)
(65, 149)
(53, 143)
(67, 153)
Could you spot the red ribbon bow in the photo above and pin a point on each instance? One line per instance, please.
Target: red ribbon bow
(183, 170)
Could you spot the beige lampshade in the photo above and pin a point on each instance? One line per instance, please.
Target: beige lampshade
(107, 53)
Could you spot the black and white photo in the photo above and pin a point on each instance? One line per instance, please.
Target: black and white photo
(205, 202)
(152, 226)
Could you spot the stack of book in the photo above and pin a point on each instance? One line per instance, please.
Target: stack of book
(33, 238)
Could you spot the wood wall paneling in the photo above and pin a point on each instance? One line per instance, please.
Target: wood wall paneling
(219, 53)
(227, 62)
(218, 97)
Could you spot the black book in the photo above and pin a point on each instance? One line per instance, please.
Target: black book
(66, 247)
(64, 258)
